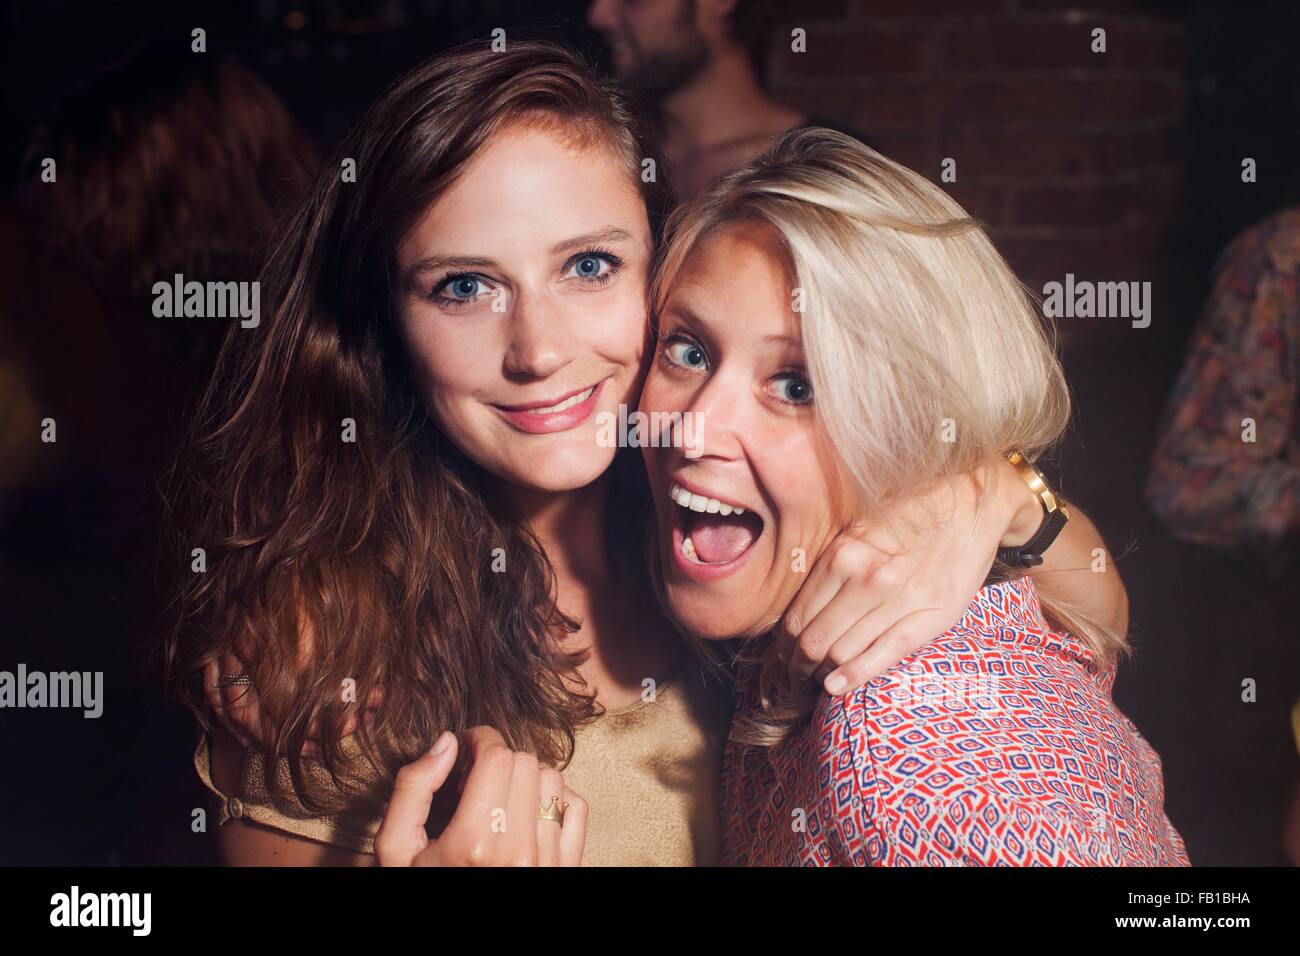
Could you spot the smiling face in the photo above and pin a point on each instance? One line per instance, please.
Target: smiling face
(730, 354)
(521, 299)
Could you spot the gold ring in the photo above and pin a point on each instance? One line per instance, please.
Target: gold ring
(552, 811)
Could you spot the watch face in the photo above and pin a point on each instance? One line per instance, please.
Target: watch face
(1037, 484)
(1052, 504)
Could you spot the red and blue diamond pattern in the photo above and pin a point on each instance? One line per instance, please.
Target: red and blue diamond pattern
(997, 744)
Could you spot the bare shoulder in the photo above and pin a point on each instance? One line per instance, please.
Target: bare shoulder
(244, 843)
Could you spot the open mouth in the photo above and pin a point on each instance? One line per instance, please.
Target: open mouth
(709, 533)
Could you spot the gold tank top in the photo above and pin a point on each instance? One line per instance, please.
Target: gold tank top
(649, 773)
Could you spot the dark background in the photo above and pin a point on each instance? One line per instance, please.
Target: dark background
(1122, 166)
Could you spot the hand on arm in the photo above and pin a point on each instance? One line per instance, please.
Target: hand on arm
(883, 590)
(235, 706)
(502, 788)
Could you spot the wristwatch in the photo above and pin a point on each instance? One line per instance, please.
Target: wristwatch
(1055, 516)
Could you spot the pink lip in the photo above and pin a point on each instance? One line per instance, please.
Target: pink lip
(534, 424)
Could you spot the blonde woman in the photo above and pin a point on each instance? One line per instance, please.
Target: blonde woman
(911, 356)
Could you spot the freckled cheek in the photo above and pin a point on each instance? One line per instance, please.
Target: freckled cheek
(665, 394)
(461, 418)
(454, 373)
(789, 470)
(617, 327)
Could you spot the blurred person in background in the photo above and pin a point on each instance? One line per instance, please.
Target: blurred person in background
(702, 61)
(161, 163)
(1226, 469)
(164, 163)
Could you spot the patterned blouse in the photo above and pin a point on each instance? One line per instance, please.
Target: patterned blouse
(996, 744)
(1226, 469)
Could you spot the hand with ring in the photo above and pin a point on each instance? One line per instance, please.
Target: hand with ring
(233, 699)
(512, 811)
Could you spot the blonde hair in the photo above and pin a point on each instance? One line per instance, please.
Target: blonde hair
(913, 325)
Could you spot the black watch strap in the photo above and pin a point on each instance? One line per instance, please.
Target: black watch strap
(1029, 554)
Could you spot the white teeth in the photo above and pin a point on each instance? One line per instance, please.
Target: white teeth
(700, 503)
(688, 549)
(567, 403)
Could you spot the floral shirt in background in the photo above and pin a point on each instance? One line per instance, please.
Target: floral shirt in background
(1208, 482)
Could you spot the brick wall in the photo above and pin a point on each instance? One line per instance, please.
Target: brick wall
(1071, 157)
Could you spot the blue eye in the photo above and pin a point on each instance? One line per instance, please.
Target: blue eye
(459, 289)
(588, 266)
(686, 354)
(793, 389)
(466, 287)
(593, 266)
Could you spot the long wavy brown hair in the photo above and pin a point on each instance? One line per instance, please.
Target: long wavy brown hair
(370, 561)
